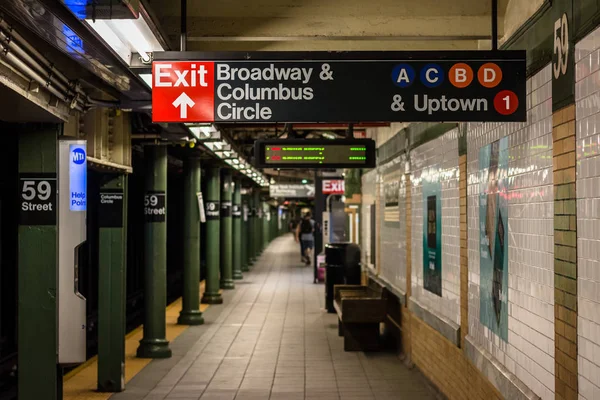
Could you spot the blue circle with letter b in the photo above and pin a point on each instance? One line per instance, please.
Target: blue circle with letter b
(403, 75)
(432, 75)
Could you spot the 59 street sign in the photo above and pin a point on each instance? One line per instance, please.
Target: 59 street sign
(339, 87)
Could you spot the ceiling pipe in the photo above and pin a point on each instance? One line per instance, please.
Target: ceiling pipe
(30, 63)
(43, 65)
(17, 63)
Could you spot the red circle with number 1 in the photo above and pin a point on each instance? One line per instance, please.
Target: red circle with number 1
(506, 102)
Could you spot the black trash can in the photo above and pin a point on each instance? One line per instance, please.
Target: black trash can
(342, 267)
(334, 275)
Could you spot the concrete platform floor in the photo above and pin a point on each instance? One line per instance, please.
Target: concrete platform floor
(272, 339)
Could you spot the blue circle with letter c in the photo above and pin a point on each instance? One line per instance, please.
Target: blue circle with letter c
(403, 75)
(432, 75)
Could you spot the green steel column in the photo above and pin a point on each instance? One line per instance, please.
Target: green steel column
(275, 223)
(112, 266)
(211, 290)
(226, 231)
(37, 269)
(190, 311)
(253, 218)
(237, 229)
(154, 343)
(266, 224)
(245, 234)
(257, 222)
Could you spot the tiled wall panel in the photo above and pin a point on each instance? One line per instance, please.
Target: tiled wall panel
(369, 185)
(529, 351)
(393, 224)
(587, 97)
(441, 156)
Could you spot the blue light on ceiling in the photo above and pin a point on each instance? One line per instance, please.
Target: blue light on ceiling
(74, 42)
(77, 7)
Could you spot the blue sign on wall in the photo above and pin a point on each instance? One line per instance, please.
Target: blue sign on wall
(77, 177)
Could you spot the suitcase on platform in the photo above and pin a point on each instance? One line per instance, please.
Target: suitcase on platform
(321, 274)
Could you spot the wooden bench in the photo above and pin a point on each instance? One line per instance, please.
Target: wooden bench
(360, 310)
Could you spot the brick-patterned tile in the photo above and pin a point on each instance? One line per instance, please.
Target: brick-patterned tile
(530, 348)
(585, 146)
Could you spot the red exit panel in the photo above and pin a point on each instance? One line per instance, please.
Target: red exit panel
(183, 91)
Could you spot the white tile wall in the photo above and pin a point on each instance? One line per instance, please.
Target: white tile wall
(369, 185)
(440, 154)
(393, 236)
(529, 353)
(587, 97)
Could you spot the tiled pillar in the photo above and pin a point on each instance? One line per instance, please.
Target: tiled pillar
(377, 265)
(406, 325)
(565, 253)
(408, 237)
(464, 251)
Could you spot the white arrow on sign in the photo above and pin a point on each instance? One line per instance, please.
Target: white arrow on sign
(183, 101)
(310, 192)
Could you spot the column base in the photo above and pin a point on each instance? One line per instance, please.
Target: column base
(245, 268)
(154, 348)
(212, 298)
(227, 284)
(237, 275)
(190, 317)
(110, 386)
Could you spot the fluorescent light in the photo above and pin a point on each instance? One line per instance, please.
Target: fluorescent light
(195, 131)
(236, 161)
(108, 35)
(206, 130)
(129, 30)
(126, 36)
(147, 78)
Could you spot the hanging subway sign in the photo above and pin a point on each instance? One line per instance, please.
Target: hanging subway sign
(339, 87)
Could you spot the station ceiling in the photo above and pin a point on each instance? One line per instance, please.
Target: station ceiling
(302, 25)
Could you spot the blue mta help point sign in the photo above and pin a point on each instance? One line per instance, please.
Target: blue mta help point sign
(77, 177)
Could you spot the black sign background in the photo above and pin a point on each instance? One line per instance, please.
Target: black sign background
(237, 211)
(31, 194)
(110, 209)
(226, 209)
(152, 212)
(362, 88)
(212, 210)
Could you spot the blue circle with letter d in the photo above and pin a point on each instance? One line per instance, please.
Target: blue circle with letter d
(432, 75)
(403, 75)
(78, 156)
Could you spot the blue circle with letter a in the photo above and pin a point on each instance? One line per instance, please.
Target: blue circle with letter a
(78, 156)
(432, 75)
(403, 75)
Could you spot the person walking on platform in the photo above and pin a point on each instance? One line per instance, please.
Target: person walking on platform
(294, 224)
(305, 235)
